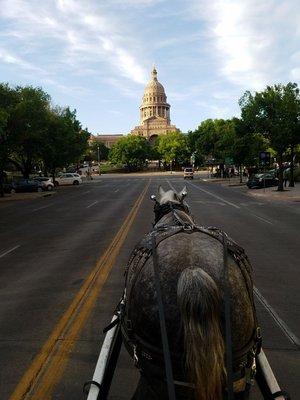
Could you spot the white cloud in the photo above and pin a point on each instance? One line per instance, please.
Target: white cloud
(249, 38)
(10, 58)
(81, 33)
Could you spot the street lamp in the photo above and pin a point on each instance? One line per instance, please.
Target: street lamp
(98, 151)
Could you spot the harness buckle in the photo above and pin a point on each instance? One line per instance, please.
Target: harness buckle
(251, 372)
(135, 357)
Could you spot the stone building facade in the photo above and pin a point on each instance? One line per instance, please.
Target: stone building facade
(154, 111)
(108, 140)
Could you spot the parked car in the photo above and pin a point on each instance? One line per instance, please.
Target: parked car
(8, 188)
(188, 173)
(68, 179)
(24, 185)
(46, 182)
(262, 180)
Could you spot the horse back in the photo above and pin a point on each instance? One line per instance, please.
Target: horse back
(176, 252)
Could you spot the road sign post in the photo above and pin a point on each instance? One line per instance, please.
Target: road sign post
(264, 160)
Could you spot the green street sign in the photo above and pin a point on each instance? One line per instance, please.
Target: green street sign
(228, 160)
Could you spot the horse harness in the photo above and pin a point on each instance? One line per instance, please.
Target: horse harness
(142, 352)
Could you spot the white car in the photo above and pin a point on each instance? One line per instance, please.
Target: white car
(68, 179)
(46, 182)
(188, 173)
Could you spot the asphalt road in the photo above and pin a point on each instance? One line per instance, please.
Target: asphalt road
(59, 285)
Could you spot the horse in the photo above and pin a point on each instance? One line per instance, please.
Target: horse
(191, 272)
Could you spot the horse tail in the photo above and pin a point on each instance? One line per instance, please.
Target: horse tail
(200, 307)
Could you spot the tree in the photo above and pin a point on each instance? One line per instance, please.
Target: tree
(131, 151)
(27, 125)
(213, 138)
(274, 113)
(97, 150)
(174, 147)
(64, 141)
(8, 100)
(246, 145)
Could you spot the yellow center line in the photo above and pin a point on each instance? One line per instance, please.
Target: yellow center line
(47, 368)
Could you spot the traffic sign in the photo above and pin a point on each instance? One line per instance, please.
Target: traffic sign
(264, 157)
(228, 160)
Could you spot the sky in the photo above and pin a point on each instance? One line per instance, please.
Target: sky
(96, 55)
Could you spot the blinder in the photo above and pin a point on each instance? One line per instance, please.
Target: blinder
(161, 210)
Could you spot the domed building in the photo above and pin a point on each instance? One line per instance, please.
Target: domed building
(154, 111)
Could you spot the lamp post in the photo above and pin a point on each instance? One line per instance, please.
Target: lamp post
(98, 152)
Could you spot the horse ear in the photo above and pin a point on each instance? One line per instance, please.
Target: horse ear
(161, 191)
(182, 194)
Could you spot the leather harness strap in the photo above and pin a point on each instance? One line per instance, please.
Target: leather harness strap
(162, 322)
(139, 257)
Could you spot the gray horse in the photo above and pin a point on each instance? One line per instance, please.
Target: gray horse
(191, 272)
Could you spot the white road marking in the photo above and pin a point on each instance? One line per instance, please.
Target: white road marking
(9, 251)
(88, 191)
(91, 205)
(41, 208)
(116, 190)
(252, 203)
(224, 201)
(171, 186)
(214, 195)
(282, 325)
(261, 218)
(219, 203)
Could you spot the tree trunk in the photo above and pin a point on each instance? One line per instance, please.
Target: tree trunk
(241, 174)
(27, 169)
(1, 183)
(280, 176)
(292, 180)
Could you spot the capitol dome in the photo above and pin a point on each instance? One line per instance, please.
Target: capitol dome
(154, 87)
(154, 101)
(154, 112)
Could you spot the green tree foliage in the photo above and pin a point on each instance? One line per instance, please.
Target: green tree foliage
(31, 131)
(27, 126)
(95, 149)
(174, 147)
(246, 145)
(64, 140)
(131, 151)
(8, 100)
(213, 139)
(274, 113)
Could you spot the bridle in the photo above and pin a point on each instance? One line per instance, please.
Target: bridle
(160, 210)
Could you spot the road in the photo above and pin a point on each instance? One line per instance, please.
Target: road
(62, 260)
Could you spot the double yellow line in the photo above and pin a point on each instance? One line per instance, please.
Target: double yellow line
(48, 366)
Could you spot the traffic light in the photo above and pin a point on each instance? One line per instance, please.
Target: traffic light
(264, 157)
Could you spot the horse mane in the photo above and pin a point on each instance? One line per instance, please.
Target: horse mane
(200, 308)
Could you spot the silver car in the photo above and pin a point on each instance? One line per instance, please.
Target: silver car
(46, 182)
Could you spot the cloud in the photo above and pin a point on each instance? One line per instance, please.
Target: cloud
(248, 38)
(10, 58)
(81, 34)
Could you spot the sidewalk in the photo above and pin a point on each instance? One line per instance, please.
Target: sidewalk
(291, 194)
